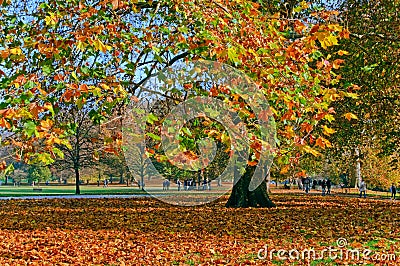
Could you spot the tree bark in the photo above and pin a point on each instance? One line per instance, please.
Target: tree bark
(268, 181)
(77, 182)
(358, 167)
(241, 197)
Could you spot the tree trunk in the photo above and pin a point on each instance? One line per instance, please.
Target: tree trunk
(121, 179)
(268, 181)
(77, 182)
(358, 168)
(241, 196)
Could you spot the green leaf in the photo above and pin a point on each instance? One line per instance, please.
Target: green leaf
(9, 169)
(187, 131)
(73, 74)
(43, 158)
(58, 152)
(153, 136)
(30, 129)
(47, 70)
(85, 70)
(232, 55)
(151, 118)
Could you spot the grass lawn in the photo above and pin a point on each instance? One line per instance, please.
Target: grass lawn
(148, 232)
(11, 191)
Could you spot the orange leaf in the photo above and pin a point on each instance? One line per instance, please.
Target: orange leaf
(350, 116)
(252, 163)
(84, 88)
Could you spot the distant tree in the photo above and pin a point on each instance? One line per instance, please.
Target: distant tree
(38, 173)
(85, 142)
(368, 121)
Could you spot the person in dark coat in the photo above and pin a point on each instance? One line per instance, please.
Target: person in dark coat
(328, 186)
(323, 185)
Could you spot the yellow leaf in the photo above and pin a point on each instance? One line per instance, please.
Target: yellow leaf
(328, 131)
(105, 87)
(329, 117)
(334, 96)
(285, 169)
(308, 149)
(120, 90)
(225, 138)
(304, 4)
(322, 142)
(46, 124)
(352, 95)
(53, 140)
(100, 46)
(51, 19)
(24, 113)
(333, 40)
(350, 116)
(341, 52)
(335, 27)
(43, 92)
(96, 156)
(81, 45)
(290, 132)
(16, 51)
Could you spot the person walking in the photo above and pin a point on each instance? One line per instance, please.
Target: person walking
(393, 190)
(328, 186)
(179, 183)
(323, 186)
(363, 189)
(314, 184)
(307, 184)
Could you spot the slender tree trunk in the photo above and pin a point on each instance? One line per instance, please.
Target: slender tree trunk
(268, 181)
(358, 167)
(77, 181)
(242, 197)
(121, 179)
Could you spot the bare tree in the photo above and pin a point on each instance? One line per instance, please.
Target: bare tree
(85, 140)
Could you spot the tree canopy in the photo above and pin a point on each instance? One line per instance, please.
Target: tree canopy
(96, 55)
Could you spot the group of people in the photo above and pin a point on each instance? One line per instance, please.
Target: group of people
(166, 184)
(325, 184)
(190, 184)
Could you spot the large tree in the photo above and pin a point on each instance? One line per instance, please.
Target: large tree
(62, 53)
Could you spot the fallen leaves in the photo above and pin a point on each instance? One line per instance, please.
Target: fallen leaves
(149, 232)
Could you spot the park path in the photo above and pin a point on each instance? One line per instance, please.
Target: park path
(371, 195)
(121, 196)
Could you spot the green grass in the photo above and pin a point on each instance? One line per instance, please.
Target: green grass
(54, 190)
(11, 191)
